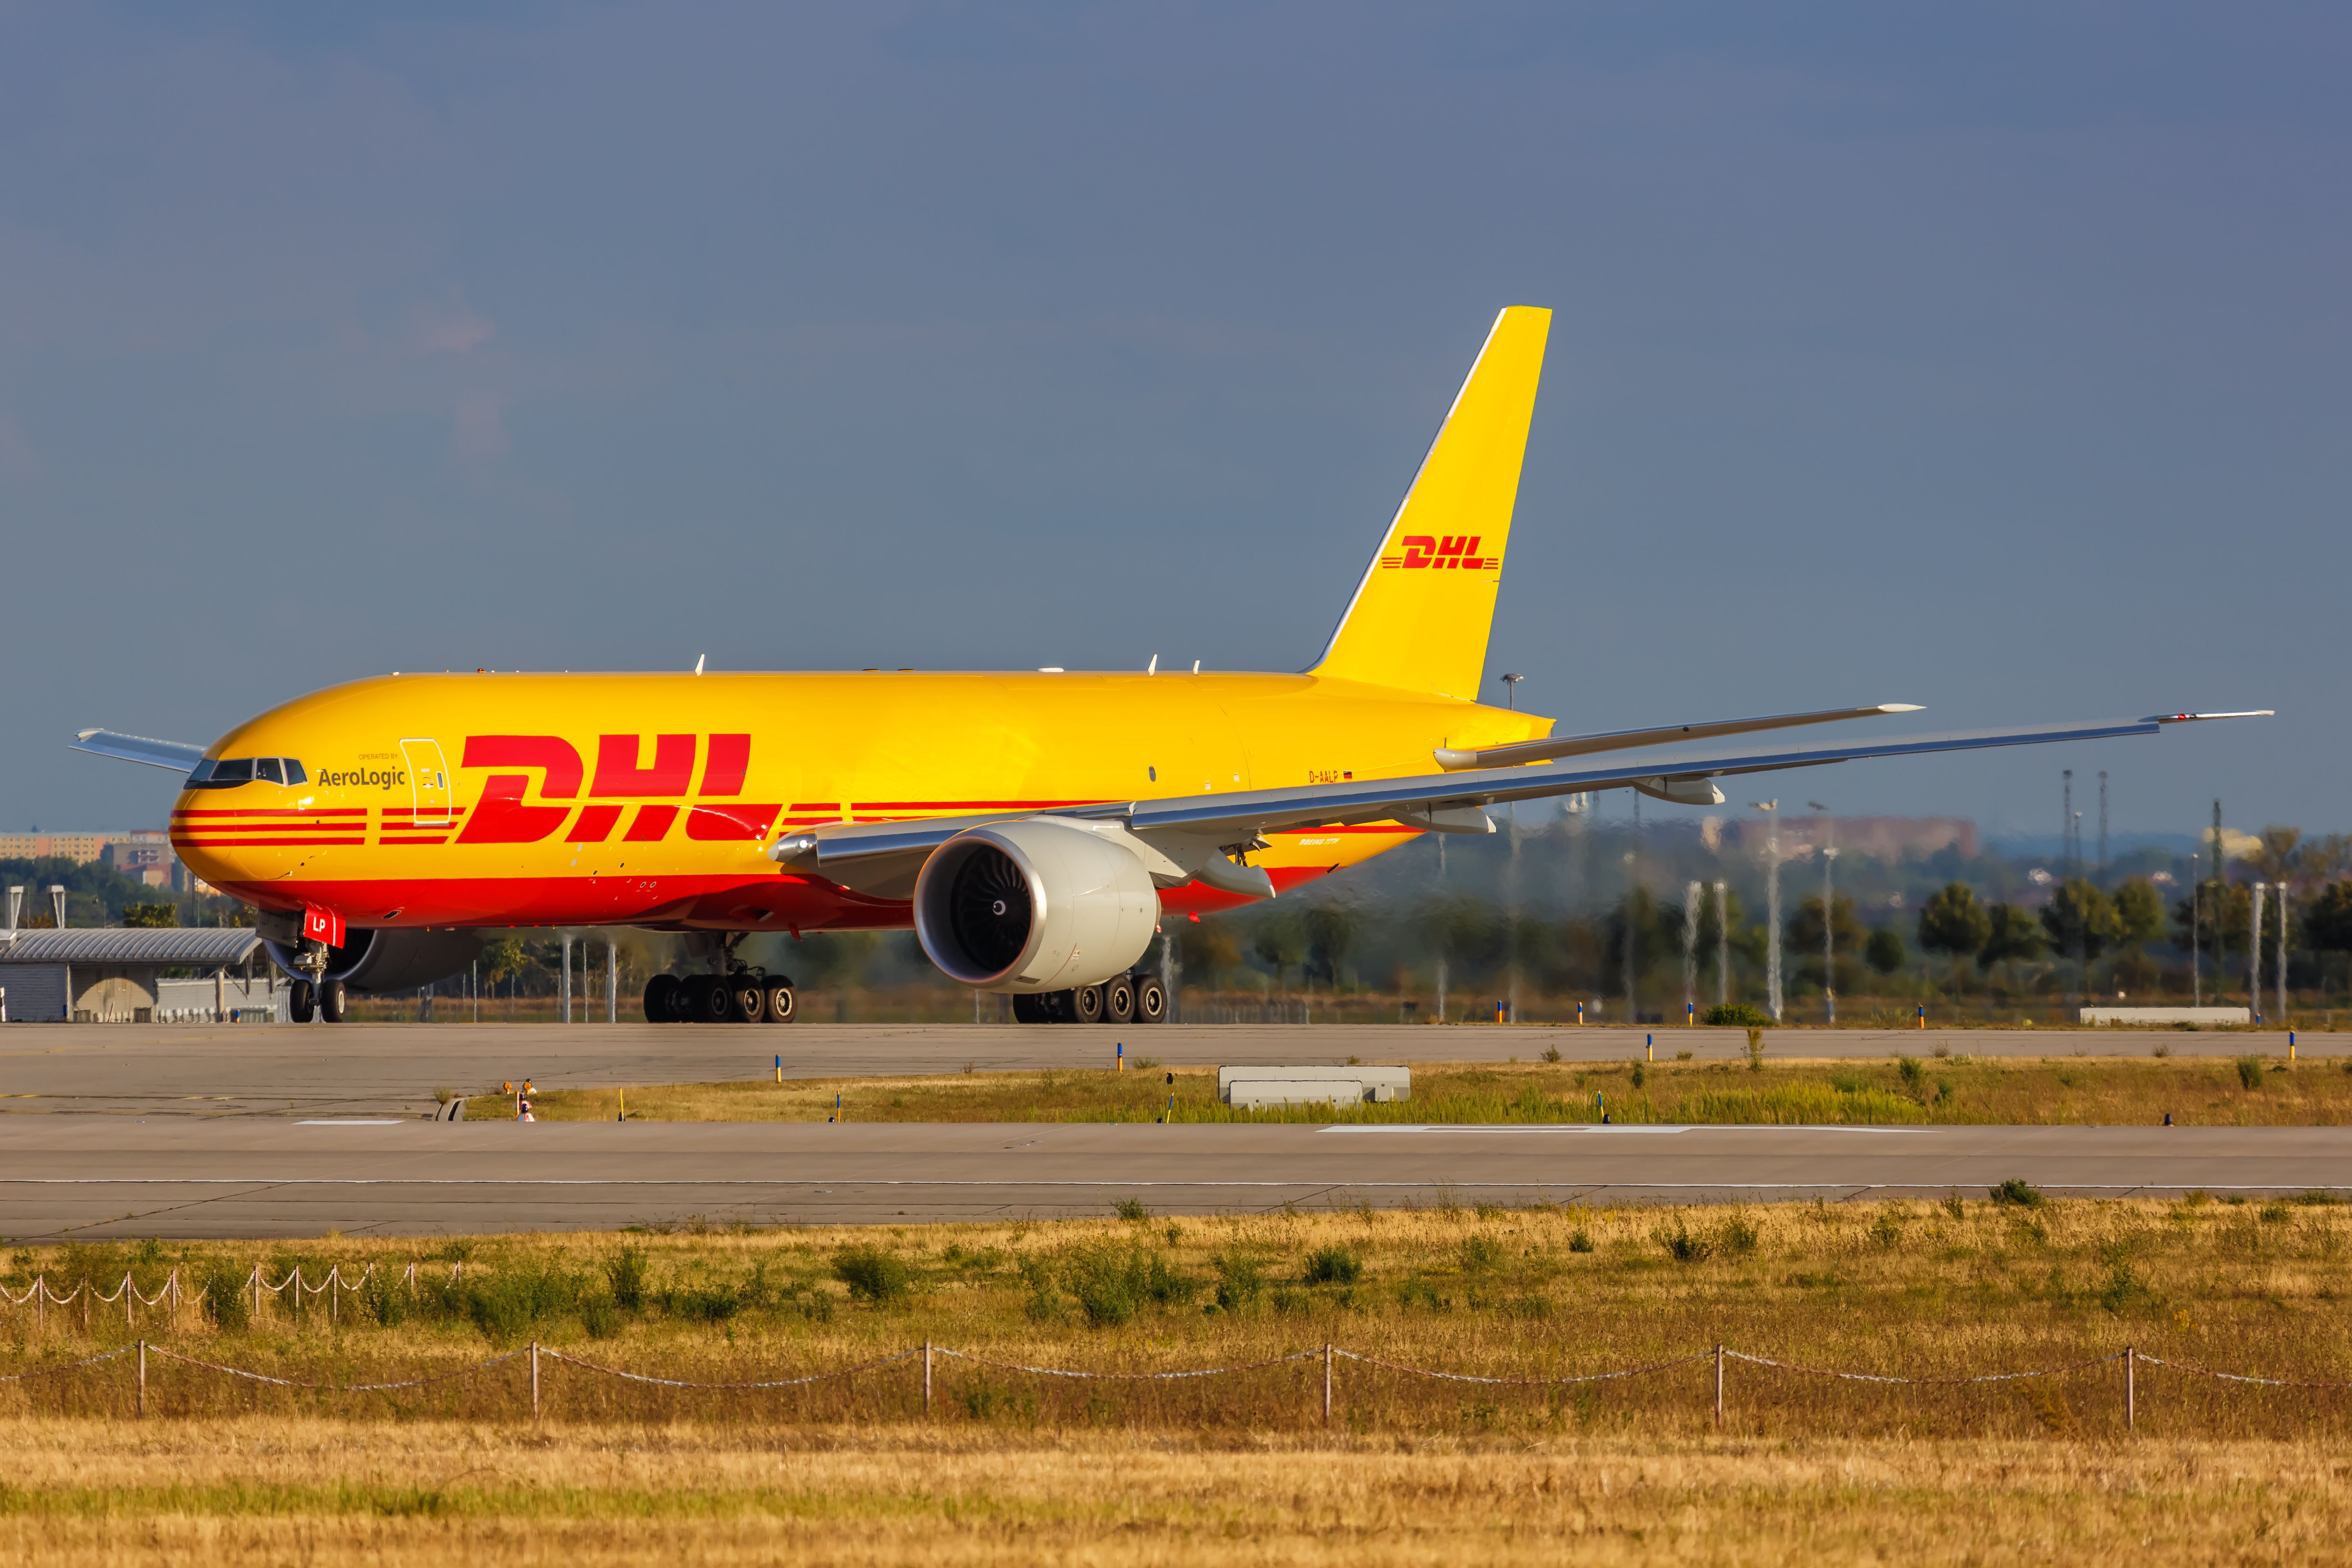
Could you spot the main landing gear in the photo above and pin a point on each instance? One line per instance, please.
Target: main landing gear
(746, 997)
(1123, 999)
(731, 993)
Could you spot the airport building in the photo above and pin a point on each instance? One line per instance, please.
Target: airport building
(131, 974)
(141, 852)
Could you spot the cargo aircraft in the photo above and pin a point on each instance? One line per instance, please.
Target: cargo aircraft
(1032, 827)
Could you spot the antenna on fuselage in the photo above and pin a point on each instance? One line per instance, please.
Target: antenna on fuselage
(697, 662)
(1153, 667)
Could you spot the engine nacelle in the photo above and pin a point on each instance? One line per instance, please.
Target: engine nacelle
(1034, 905)
(372, 962)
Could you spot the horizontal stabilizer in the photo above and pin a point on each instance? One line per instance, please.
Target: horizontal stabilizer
(177, 755)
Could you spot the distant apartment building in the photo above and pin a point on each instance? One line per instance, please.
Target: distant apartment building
(141, 852)
(1880, 838)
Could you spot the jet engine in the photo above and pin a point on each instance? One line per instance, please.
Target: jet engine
(1039, 904)
(389, 959)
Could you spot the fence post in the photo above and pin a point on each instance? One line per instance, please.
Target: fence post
(2131, 1388)
(926, 1379)
(1327, 1383)
(1718, 1386)
(172, 1299)
(40, 1302)
(143, 1380)
(334, 1295)
(128, 1295)
(257, 1292)
(534, 1380)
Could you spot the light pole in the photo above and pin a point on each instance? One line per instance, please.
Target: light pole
(2195, 920)
(1771, 810)
(1722, 947)
(1511, 911)
(1828, 926)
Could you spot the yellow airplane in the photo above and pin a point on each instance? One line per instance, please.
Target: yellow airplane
(1032, 827)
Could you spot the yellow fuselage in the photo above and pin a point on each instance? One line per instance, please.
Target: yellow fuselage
(494, 799)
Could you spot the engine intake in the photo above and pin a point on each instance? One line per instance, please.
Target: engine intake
(1034, 905)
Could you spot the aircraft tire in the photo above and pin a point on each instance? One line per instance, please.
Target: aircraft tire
(707, 999)
(333, 1004)
(661, 999)
(299, 1005)
(1150, 1000)
(1118, 1000)
(783, 1005)
(747, 1001)
(1085, 1005)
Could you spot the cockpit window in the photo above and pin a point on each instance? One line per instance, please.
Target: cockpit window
(226, 773)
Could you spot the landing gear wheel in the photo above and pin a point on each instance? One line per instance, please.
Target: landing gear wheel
(1030, 1010)
(706, 998)
(1118, 1000)
(1087, 1005)
(782, 1002)
(661, 998)
(1150, 1000)
(332, 1004)
(299, 1002)
(747, 1000)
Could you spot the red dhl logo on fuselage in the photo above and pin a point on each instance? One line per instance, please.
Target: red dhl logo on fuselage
(501, 818)
(1424, 550)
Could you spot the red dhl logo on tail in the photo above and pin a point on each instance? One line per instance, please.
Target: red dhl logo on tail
(1422, 551)
(622, 769)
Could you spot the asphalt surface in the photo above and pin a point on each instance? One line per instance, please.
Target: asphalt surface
(81, 1176)
(393, 1068)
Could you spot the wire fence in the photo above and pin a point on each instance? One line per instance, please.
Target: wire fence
(535, 1360)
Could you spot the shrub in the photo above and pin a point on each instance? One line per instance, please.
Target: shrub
(384, 1295)
(1737, 1014)
(2016, 1193)
(1913, 1074)
(706, 1304)
(1131, 1209)
(226, 1306)
(1754, 1047)
(1333, 1266)
(2249, 1071)
(509, 1304)
(1737, 1237)
(872, 1274)
(1641, 1075)
(1886, 1230)
(601, 1318)
(1106, 1282)
(1480, 1253)
(1684, 1248)
(1239, 1280)
(1551, 1053)
(627, 1272)
(1579, 1241)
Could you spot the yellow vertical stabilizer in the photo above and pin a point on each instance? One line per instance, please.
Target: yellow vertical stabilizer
(1420, 617)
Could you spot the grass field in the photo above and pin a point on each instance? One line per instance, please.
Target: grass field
(332, 1493)
(1959, 1288)
(2114, 1090)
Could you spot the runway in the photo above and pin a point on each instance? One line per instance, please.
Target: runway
(393, 1068)
(68, 1177)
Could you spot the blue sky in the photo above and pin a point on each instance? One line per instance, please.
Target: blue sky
(1990, 357)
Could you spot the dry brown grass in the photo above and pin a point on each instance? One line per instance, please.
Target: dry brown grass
(2110, 1090)
(331, 1493)
(1907, 1288)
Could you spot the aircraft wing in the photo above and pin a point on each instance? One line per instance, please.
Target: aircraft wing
(175, 754)
(1200, 834)
(1557, 746)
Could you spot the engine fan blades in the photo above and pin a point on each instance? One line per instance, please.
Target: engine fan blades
(989, 910)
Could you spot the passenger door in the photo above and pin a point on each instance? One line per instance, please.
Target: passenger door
(428, 781)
